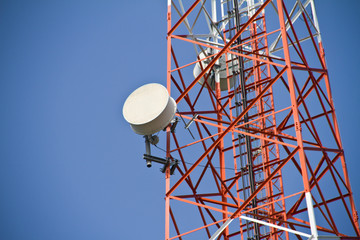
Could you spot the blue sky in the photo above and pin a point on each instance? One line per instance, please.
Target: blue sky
(70, 167)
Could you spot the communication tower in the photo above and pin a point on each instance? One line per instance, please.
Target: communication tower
(252, 144)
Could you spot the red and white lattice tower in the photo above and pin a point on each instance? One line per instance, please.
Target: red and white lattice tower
(260, 156)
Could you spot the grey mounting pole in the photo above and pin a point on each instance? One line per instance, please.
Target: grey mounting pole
(148, 150)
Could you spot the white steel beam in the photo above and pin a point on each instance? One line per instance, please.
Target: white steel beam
(221, 229)
(310, 208)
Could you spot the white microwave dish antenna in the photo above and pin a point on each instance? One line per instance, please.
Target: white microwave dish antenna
(149, 109)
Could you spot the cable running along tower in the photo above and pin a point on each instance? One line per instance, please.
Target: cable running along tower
(256, 152)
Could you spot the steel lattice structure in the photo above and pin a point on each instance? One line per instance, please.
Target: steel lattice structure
(261, 155)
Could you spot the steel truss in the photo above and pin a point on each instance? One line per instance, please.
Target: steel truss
(261, 155)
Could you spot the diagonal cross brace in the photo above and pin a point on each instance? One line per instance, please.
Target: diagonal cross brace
(183, 17)
(222, 51)
(253, 195)
(231, 126)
